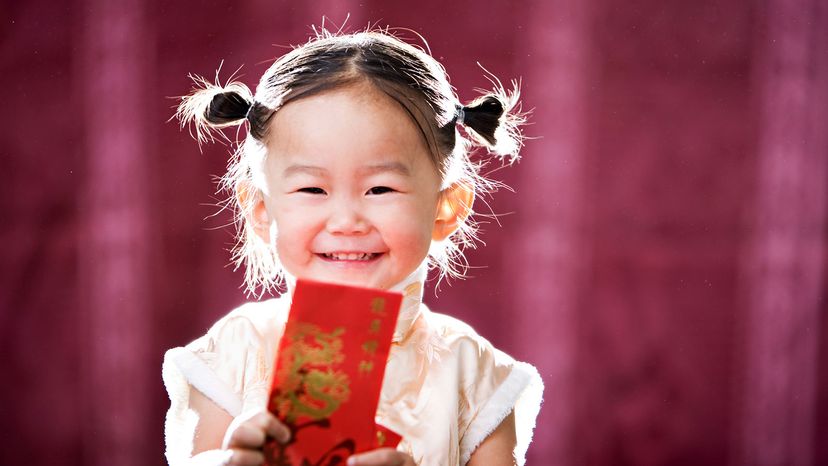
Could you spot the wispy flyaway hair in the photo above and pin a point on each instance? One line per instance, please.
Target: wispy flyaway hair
(328, 61)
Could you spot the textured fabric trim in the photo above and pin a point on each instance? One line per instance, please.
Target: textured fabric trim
(179, 425)
(202, 378)
(520, 392)
(526, 410)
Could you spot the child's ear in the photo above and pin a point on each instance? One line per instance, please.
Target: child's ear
(454, 206)
(252, 204)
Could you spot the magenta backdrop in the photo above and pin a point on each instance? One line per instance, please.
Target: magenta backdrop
(662, 261)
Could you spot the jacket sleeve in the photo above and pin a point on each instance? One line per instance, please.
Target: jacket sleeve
(492, 385)
(228, 366)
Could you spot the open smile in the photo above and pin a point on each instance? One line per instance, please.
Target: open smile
(350, 256)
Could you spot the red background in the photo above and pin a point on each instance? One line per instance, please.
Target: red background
(661, 261)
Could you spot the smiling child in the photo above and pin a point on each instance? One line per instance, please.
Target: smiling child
(354, 170)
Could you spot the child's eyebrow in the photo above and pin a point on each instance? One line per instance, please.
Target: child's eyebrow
(310, 169)
(395, 167)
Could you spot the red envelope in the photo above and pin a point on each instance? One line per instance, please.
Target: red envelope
(328, 373)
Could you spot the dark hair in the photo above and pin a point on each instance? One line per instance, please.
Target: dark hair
(404, 72)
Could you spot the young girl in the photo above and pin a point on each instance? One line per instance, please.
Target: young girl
(354, 170)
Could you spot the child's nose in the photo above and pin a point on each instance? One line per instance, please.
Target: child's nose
(345, 219)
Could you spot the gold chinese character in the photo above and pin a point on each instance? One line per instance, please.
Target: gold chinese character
(366, 366)
(370, 346)
(375, 326)
(378, 306)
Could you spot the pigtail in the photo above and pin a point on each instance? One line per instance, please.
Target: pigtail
(483, 117)
(493, 121)
(211, 107)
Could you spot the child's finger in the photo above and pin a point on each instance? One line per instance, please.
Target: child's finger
(246, 435)
(249, 431)
(381, 457)
(270, 424)
(243, 457)
(276, 429)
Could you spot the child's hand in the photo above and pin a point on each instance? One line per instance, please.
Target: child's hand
(381, 457)
(246, 436)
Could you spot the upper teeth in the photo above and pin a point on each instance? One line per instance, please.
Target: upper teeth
(350, 256)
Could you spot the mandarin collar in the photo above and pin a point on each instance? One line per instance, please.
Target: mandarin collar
(411, 288)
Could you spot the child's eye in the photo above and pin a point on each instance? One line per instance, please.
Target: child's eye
(380, 190)
(311, 190)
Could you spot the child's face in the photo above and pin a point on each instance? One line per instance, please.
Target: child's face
(350, 187)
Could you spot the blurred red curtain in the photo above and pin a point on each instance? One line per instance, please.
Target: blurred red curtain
(661, 261)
